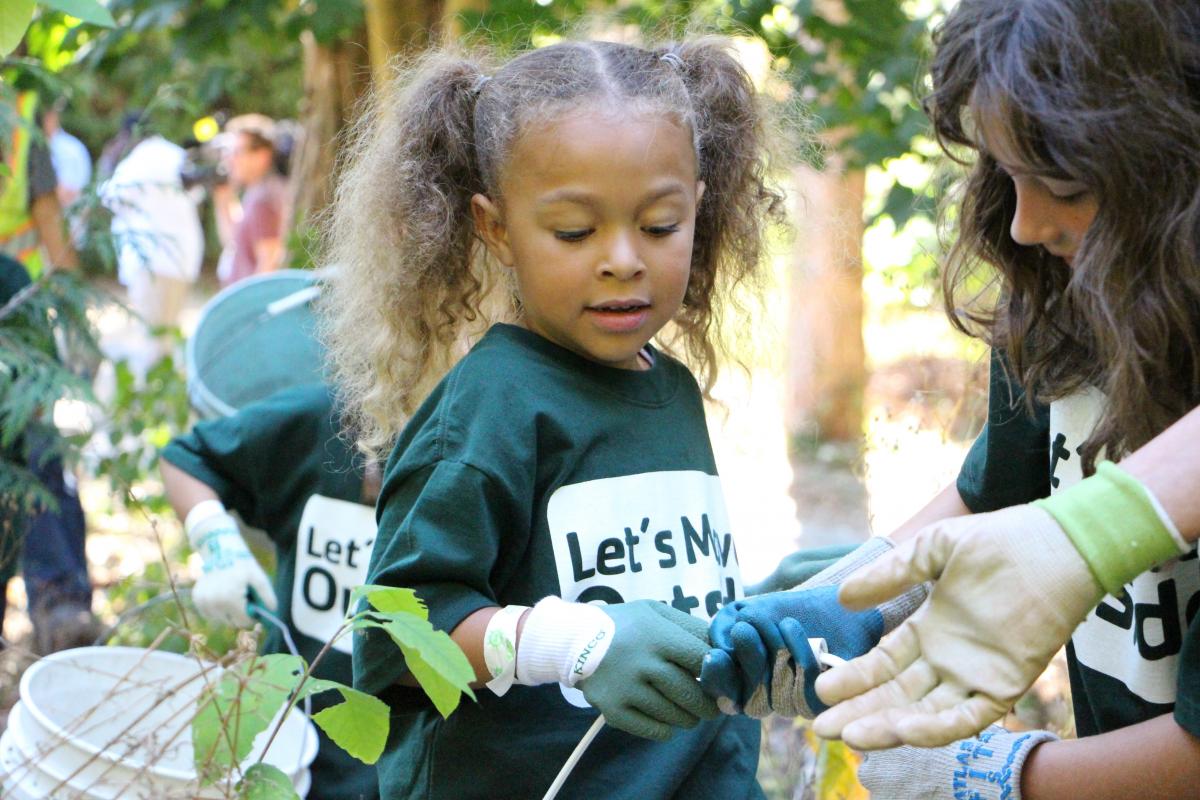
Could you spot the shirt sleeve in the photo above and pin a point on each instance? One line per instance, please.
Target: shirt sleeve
(441, 531)
(1009, 464)
(1187, 687)
(41, 172)
(253, 460)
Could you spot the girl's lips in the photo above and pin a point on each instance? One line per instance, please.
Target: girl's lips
(615, 319)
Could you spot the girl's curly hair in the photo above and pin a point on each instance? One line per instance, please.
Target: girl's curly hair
(413, 283)
(1105, 93)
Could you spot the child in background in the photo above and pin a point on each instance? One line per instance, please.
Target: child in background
(554, 500)
(1082, 210)
(282, 466)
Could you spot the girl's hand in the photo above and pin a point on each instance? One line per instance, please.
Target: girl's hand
(1011, 588)
(646, 683)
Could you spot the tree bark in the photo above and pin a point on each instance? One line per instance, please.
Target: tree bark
(826, 370)
(400, 26)
(334, 78)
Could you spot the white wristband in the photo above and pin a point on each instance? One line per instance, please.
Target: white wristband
(500, 648)
(562, 642)
(200, 513)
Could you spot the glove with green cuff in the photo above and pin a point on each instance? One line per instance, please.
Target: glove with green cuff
(636, 662)
(987, 767)
(230, 571)
(969, 654)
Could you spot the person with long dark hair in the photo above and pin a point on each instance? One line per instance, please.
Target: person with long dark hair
(1076, 256)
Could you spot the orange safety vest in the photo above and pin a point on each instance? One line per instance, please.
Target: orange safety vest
(18, 238)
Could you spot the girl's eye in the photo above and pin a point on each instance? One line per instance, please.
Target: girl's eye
(1070, 196)
(662, 230)
(573, 236)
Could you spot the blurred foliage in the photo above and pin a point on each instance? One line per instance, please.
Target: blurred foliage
(142, 416)
(145, 609)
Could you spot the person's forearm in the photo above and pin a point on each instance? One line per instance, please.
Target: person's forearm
(227, 212)
(946, 504)
(1151, 760)
(48, 221)
(183, 490)
(468, 635)
(1169, 466)
(268, 255)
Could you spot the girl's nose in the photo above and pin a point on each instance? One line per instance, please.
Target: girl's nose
(622, 260)
(1033, 221)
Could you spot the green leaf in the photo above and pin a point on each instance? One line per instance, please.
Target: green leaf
(390, 600)
(265, 782)
(359, 725)
(15, 16)
(236, 709)
(86, 10)
(437, 663)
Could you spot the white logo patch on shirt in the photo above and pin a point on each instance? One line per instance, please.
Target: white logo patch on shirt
(1135, 638)
(333, 546)
(658, 535)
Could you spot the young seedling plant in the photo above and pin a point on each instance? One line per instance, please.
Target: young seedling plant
(241, 704)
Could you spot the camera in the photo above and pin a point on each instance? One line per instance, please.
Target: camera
(203, 166)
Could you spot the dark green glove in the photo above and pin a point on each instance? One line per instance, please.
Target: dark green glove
(647, 681)
(798, 568)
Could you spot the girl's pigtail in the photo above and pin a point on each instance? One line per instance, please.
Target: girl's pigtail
(400, 237)
(733, 135)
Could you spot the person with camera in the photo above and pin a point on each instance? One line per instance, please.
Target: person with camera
(157, 236)
(250, 228)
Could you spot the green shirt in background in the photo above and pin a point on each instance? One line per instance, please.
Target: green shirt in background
(531, 471)
(1136, 656)
(282, 466)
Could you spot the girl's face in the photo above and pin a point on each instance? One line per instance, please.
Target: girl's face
(597, 219)
(1052, 212)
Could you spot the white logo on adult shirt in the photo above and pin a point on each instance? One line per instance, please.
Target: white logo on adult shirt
(333, 547)
(1134, 638)
(657, 535)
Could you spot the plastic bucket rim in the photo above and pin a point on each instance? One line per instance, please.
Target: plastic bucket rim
(204, 397)
(308, 747)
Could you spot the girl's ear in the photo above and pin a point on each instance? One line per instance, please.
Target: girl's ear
(489, 224)
(699, 193)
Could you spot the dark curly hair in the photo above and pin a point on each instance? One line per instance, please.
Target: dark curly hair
(1105, 93)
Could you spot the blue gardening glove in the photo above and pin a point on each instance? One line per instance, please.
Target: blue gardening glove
(734, 670)
(799, 567)
(987, 767)
(646, 682)
(764, 642)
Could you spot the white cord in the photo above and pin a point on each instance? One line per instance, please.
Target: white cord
(824, 657)
(576, 754)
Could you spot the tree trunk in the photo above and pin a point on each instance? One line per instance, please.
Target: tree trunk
(826, 358)
(333, 80)
(400, 26)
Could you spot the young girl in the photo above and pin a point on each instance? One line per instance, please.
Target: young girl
(554, 500)
(1082, 207)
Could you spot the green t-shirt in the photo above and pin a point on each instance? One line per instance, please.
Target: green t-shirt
(531, 471)
(1137, 656)
(281, 465)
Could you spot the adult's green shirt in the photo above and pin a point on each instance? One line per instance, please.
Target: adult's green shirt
(531, 471)
(1137, 655)
(281, 464)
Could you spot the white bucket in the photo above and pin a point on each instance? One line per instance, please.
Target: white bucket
(101, 723)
